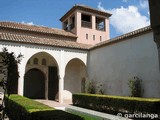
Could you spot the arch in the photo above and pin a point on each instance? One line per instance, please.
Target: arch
(48, 65)
(34, 84)
(41, 52)
(28, 62)
(75, 72)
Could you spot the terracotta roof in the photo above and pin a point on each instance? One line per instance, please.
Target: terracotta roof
(85, 8)
(42, 41)
(29, 39)
(122, 37)
(34, 28)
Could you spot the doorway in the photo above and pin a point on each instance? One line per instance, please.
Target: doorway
(52, 83)
(34, 84)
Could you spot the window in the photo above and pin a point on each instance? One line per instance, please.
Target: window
(86, 21)
(44, 62)
(100, 24)
(35, 61)
(93, 37)
(87, 36)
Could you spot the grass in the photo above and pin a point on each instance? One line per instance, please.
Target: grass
(20, 107)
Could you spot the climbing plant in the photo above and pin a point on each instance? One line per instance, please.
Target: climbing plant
(135, 87)
(93, 88)
(9, 74)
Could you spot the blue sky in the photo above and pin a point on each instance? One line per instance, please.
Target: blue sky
(128, 15)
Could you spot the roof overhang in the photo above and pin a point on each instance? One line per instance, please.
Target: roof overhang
(85, 8)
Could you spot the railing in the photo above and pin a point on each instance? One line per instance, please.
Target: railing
(100, 27)
(66, 28)
(86, 24)
(71, 26)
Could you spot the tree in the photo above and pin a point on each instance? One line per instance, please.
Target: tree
(9, 69)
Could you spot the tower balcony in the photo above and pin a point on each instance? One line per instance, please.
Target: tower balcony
(100, 27)
(86, 24)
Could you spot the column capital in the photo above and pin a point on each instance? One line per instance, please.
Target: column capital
(61, 77)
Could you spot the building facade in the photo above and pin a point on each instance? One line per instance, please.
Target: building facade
(57, 62)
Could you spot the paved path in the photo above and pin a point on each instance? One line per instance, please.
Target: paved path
(55, 104)
(67, 105)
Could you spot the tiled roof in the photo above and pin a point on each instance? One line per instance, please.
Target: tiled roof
(85, 8)
(122, 37)
(34, 28)
(42, 41)
(29, 39)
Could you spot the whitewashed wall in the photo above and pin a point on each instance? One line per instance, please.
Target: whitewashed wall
(62, 57)
(114, 64)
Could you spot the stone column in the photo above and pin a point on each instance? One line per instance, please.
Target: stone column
(78, 26)
(107, 28)
(93, 22)
(61, 76)
(46, 87)
(21, 69)
(61, 88)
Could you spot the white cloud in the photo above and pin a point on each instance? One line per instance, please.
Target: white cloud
(125, 0)
(100, 7)
(27, 23)
(144, 4)
(126, 19)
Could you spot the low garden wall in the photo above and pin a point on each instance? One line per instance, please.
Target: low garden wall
(22, 108)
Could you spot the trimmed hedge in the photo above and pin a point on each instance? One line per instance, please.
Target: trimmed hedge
(22, 108)
(117, 104)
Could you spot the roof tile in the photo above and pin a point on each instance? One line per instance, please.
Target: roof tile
(34, 28)
(24, 38)
(122, 37)
(42, 41)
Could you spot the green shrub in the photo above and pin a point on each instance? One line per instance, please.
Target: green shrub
(93, 88)
(22, 108)
(90, 87)
(135, 87)
(117, 104)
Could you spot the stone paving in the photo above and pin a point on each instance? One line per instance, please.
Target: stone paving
(56, 104)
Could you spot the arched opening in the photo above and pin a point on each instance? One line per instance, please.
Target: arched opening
(48, 66)
(34, 84)
(75, 73)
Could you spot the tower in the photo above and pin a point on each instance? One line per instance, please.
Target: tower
(90, 25)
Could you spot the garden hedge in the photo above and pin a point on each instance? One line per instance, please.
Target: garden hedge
(117, 104)
(22, 108)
